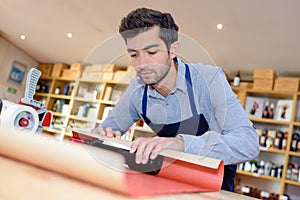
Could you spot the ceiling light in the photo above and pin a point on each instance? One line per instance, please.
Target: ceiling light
(219, 26)
(69, 35)
(22, 37)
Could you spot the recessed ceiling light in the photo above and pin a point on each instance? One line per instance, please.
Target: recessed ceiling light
(219, 26)
(69, 35)
(22, 37)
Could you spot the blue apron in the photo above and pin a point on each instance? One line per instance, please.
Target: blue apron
(196, 125)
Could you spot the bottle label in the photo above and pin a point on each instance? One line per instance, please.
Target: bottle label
(236, 81)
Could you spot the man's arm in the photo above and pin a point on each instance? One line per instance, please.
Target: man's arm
(122, 116)
(231, 136)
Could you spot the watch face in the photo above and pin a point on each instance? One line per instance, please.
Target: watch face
(25, 120)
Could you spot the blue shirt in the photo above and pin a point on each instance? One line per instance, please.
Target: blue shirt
(231, 136)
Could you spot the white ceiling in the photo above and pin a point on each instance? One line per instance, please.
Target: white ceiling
(256, 33)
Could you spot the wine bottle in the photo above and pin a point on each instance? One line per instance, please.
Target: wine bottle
(265, 113)
(237, 79)
(271, 112)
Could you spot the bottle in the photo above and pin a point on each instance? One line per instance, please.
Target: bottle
(261, 167)
(284, 141)
(66, 90)
(237, 79)
(265, 113)
(295, 138)
(295, 172)
(278, 140)
(274, 171)
(57, 90)
(299, 174)
(263, 138)
(288, 174)
(271, 111)
(279, 171)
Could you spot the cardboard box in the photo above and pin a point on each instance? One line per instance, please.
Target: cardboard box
(91, 76)
(263, 84)
(290, 84)
(76, 66)
(118, 75)
(130, 67)
(102, 67)
(45, 69)
(107, 76)
(58, 69)
(70, 74)
(264, 73)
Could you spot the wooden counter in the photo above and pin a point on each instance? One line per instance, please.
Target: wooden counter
(24, 181)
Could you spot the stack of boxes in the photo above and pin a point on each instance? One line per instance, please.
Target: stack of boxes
(263, 79)
(266, 79)
(98, 72)
(46, 69)
(73, 72)
(58, 68)
(288, 84)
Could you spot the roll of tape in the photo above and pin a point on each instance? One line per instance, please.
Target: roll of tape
(19, 116)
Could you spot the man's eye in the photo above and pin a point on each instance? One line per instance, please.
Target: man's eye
(152, 52)
(133, 55)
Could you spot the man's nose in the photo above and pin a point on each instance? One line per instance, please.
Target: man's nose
(141, 61)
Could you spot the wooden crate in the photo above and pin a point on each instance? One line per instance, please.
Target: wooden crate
(70, 74)
(58, 69)
(107, 76)
(91, 75)
(76, 66)
(264, 73)
(263, 84)
(45, 69)
(290, 84)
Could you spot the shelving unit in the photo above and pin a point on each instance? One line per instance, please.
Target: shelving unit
(279, 157)
(89, 101)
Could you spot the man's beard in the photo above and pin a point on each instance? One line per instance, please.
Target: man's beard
(157, 78)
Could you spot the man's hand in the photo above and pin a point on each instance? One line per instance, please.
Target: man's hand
(108, 132)
(145, 147)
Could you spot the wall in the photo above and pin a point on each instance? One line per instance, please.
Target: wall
(8, 54)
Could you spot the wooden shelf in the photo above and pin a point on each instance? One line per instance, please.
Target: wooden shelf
(292, 182)
(269, 121)
(57, 114)
(82, 118)
(261, 176)
(113, 103)
(292, 153)
(59, 96)
(296, 123)
(86, 100)
(271, 150)
(41, 94)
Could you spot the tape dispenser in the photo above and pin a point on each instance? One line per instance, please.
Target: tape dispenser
(28, 114)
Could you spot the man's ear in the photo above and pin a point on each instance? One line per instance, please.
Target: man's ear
(174, 49)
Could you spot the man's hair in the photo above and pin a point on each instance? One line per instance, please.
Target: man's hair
(143, 19)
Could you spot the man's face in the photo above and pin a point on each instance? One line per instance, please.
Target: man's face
(149, 56)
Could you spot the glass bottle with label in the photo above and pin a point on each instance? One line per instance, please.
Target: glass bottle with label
(237, 79)
(265, 113)
(271, 112)
(295, 138)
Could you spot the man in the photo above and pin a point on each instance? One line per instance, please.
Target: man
(190, 107)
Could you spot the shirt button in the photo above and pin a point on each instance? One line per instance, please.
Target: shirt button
(167, 104)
